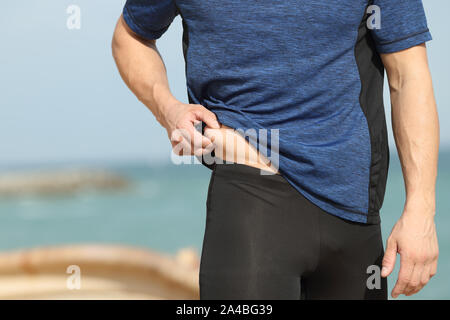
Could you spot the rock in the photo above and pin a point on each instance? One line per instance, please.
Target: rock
(57, 182)
(93, 271)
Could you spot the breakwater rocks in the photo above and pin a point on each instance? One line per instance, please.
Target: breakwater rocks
(61, 181)
(98, 271)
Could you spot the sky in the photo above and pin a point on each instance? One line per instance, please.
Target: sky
(62, 99)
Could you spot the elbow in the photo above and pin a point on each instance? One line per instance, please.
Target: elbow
(115, 43)
(119, 37)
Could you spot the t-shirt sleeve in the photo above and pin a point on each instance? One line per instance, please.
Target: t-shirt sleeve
(149, 18)
(403, 24)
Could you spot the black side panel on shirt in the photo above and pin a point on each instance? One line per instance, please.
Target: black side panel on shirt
(371, 72)
(185, 44)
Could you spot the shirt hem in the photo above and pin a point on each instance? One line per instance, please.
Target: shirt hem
(406, 42)
(138, 29)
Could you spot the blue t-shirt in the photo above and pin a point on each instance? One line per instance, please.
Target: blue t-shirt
(310, 69)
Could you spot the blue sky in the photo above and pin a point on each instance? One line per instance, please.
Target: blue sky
(61, 97)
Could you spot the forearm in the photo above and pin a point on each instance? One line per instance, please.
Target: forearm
(416, 130)
(142, 69)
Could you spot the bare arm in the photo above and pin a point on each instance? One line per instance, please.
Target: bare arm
(416, 130)
(143, 70)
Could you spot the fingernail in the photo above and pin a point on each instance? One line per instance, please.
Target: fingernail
(384, 271)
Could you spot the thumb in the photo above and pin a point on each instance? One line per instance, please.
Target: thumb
(207, 117)
(390, 256)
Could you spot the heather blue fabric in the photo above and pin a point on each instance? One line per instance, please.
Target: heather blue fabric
(289, 65)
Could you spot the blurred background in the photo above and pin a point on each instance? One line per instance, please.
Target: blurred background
(83, 162)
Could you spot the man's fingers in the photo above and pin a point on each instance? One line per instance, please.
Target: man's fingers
(434, 260)
(433, 268)
(202, 151)
(205, 148)
(389, 258)
(207, 117)
(415, 284)
(187, 138)
(181, 147)
(425, 275)
(200, 141)
(192, 141)
(184, 148)
(404, 276)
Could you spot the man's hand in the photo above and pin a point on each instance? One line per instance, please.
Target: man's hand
(180, 119)
(414, 238)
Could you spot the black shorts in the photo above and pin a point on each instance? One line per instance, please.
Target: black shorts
(264, 240)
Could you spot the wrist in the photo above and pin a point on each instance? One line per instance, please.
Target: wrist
(164, 102)
(420, 205)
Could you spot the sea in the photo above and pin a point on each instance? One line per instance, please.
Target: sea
(164, 208)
